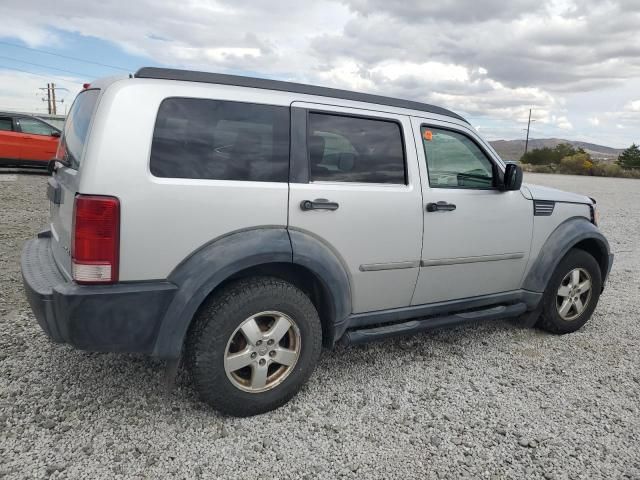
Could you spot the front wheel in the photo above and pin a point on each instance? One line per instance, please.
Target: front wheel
(253, 345)
(572, 293)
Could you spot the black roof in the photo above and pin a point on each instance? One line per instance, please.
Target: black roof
(224, 79)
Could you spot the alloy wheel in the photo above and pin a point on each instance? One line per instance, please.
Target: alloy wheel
(573, 294)
(262, 352)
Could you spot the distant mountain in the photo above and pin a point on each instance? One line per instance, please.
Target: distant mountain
(513, 149)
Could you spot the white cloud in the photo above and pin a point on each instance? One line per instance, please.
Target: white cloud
(493, 60)
(563, 123)
(633, 106)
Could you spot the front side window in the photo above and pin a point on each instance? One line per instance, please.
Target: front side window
(220, 140)
(35, 127)
(353, 149)
(455, 161)
(6, 124)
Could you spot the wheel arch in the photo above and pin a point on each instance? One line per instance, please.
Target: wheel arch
(255, 252)
(576, 232)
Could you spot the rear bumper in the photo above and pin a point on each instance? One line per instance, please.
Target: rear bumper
(124, 317)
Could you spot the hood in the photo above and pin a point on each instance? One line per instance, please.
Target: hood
(538, 192)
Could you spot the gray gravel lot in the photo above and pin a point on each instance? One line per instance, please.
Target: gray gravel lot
(490, 401)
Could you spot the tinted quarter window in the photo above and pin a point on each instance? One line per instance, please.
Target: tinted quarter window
(6, 124)
(354, 149)
(455, 161)
(220, 140)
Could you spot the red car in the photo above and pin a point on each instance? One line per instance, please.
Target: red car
(26, 141)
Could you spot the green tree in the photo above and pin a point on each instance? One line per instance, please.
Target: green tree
(549, 156)
(630, 158)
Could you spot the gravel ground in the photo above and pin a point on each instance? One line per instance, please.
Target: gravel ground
(491, 401)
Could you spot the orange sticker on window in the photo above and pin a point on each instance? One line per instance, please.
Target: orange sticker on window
(427, 135)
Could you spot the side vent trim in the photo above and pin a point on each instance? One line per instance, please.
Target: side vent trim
(543, 208)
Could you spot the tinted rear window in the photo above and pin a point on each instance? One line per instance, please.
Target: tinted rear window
(220, 140)
(76, 126)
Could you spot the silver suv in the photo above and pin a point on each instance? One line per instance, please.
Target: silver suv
(240, 224)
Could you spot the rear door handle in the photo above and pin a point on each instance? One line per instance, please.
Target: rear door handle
(440, 207)
(318, 204)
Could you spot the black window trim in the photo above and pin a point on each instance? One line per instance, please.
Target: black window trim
(358, 116)
(495, 166)
(266, 104)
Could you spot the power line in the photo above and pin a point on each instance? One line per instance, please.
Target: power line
(36, 74)
(66, 56)
(45, 66)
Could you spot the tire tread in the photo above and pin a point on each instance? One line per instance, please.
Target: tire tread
(206, 331)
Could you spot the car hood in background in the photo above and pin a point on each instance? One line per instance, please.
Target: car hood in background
(538, 192)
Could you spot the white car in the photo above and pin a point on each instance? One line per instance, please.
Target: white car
(243, 223)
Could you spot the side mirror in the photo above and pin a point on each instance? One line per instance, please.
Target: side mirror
(55, 133)
(512, 177)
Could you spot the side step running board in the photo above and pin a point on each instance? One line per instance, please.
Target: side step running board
(378, 333)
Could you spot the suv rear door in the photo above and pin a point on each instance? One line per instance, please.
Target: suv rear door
(359, 167)
(64, 183)
(477, 241)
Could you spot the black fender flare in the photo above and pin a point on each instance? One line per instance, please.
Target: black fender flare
(213, 263)
(327, 265)
(566, 235)
(206, 268)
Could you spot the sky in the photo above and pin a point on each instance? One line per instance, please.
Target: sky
(574, 63)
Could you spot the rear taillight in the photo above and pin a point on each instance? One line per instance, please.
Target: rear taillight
(96, 239)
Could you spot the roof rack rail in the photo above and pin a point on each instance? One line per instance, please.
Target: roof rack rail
(251, 82)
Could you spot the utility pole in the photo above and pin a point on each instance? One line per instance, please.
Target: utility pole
(526, 143)
(53, 100)
(52, 107)
(49, 98)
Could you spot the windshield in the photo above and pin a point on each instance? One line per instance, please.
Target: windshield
(76, 127)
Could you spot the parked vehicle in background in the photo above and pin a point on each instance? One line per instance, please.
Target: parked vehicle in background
(26, 141)
(243, 223)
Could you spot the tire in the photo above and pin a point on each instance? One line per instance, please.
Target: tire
(551, 318)
(217, 338)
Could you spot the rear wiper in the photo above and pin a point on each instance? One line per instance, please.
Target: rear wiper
(52, 167)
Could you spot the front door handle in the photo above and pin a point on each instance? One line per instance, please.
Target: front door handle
(318, 204)
(440, 207)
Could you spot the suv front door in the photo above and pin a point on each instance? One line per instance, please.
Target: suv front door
(40, 140)
(364, 164)
(476, 237)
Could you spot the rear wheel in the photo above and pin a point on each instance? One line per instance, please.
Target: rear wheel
(253, 345)
(572, 293)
